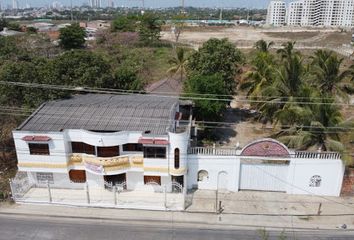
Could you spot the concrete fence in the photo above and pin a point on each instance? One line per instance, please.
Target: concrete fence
(157, 197)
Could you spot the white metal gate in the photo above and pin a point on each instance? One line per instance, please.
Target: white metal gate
(263, 176)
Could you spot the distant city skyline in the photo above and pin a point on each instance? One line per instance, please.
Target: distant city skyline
(148, 3)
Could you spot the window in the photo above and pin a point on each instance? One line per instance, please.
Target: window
(108, 151)
(133, 147)
(203, 176)
(176, 158)
(80, 147)
(38, 148)
(154, 152)
(45, 177)
(77, 176)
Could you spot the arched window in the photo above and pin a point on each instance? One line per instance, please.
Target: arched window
(176, 158)
(203, 176)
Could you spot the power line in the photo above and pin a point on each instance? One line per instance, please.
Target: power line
(19, 109)
(168, 123)
(81, 89)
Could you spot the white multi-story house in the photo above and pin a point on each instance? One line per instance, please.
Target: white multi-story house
(322, 13)
(98, 140)
(276, 13)
(105, 138)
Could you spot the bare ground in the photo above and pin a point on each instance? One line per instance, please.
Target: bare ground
(247, 36)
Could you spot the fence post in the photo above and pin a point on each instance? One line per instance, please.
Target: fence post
(87, 193)
(165, 193)
(12, 190)
(115, 194)
(49, 192)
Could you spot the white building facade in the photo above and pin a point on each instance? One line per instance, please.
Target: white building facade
(318, 13)
(276, 13)
(135, 142)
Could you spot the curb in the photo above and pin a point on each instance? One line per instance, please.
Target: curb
(215, 225)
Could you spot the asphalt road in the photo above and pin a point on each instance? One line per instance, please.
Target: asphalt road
(32, 228)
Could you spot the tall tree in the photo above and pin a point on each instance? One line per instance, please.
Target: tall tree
(72, 36)
(149, 28)
(321, 130)
(327, 74)
(212, 87)
(217, 56)
(263, 46)
(262, 73)
(179, 63)
(124, 24)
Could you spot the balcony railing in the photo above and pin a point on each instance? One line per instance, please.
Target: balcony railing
(320, 155)
(212, 151)
(107, 163)
(232, 152)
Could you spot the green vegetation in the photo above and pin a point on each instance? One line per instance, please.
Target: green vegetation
(179, 63)
(72, 36)
(302, 100)
(211, 73)
(216, 56)
(207, 86)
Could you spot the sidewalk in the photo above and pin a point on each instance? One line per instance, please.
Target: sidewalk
(162, 218)
(271, 203)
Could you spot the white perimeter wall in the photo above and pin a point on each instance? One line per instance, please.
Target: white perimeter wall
(331, 172)
(299, 174)
(214, 165)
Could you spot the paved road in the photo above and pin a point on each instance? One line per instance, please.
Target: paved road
(28, 228)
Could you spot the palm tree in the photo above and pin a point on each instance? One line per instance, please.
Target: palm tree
(179, 62)
(260, 76)
(325, 68)
(288, 87)
(287, 51)
(263, 46)
(322, 130)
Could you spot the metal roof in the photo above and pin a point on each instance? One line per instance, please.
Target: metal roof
(105, 112)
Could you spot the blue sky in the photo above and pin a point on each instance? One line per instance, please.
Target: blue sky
(155, 3)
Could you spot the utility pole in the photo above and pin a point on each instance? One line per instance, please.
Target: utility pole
(71, 10)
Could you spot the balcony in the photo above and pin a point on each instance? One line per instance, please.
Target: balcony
(103, 165)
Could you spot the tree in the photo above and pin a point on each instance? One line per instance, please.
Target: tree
(325, 68)
(263, 46)
(149, 28)
(79, 68)
(72, 36)
(262, 73)
(211, 86)
(217, 56)
(124, 24)
(321, 130)
(179, 63)
(178, 24)
(27, 72)
(126, 78)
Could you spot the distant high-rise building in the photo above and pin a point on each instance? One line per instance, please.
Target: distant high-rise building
(57, 5)
(110, 3)
(95, 3)
(276, 13)
(15, 4)
(324, 13)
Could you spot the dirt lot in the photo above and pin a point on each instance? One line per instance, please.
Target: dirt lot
(247, 36)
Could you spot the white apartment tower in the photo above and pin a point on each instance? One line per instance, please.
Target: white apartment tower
(276, 13)
(295, 10)
(322, 13)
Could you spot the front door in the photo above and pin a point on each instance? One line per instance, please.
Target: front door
(116, 179)
(155, 179)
